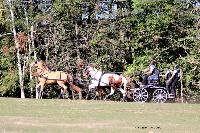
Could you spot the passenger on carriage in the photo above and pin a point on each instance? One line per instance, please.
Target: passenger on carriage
(168, 74)
(172, 81)
(151, 74)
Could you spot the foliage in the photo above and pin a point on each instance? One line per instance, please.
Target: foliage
(9, 84)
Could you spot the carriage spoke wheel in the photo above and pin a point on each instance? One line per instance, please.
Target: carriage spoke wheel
(160, 96)
(140, 95)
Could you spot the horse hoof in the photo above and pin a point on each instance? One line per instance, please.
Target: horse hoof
(106, 98)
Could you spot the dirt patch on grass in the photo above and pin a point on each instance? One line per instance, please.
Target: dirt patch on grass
(45, 122)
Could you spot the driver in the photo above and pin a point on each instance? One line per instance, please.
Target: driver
(150, 73)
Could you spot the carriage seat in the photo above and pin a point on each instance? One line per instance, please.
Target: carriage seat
(153, 80)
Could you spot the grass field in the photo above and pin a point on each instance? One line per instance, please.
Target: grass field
(64, 116)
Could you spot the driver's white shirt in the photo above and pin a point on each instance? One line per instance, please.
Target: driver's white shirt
(151, 68)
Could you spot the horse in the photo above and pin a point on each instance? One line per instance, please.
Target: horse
(47, 77)
(100, 79)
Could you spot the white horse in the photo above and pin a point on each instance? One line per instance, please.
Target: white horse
(98, 78)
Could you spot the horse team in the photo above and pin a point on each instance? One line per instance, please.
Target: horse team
(98, 80)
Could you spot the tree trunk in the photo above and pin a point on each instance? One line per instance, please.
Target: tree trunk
(32, 42)
(181, 80)
(29, 49)
(21, 80)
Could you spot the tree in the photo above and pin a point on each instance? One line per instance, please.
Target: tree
(19, 64)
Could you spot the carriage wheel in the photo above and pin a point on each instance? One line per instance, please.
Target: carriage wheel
(160, 96)
(140, 95)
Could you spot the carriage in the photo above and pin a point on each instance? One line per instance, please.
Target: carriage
(152, 91)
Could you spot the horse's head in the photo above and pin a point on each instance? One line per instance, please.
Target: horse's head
(80, 63)
(33, 63)
(88, 70)
(37, 63)
(40, 67)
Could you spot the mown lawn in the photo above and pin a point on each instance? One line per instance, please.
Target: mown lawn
(64, 116)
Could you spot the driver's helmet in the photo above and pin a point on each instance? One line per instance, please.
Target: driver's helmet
(176, 66)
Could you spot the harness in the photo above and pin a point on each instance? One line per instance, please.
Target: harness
(100, 78)
(43, 75)
(46, 77)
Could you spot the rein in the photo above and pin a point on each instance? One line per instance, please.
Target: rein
(100, 78)
(41, 74)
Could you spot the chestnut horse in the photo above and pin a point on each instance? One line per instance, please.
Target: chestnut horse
(99, 79)
(46, 77)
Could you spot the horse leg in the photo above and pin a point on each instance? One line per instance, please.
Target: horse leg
(61, 93)
(80, 95)
(111, 92)
(72, 92)
(70, 82)
(41, 91)
(37, 90)
(77, 89)
(123, 93)
(64, 90)
(91, 87)
(101, 92)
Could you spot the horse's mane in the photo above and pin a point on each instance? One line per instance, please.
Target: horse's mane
(92, 65)
(43, 63)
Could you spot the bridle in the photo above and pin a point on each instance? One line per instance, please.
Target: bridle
(86, 71)
(42, 70)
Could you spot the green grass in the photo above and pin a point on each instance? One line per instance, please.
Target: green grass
(64, 116)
